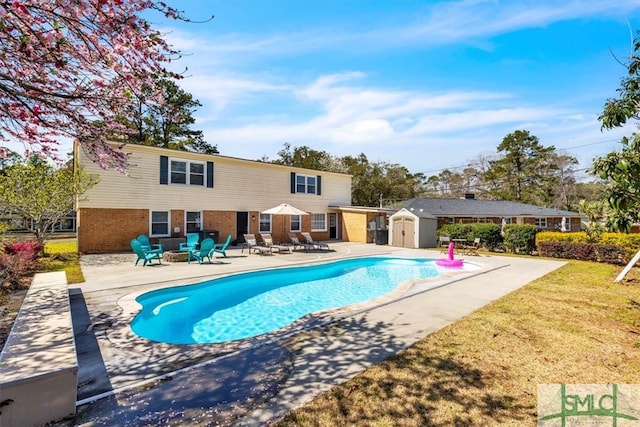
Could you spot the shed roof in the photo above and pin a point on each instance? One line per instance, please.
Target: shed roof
(417, 212)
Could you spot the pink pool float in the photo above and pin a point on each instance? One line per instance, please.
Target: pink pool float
(450, 261)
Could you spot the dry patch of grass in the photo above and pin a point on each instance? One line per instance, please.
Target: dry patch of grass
(572, 326)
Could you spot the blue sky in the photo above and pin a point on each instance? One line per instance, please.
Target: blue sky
(425, 84)
(428, 85)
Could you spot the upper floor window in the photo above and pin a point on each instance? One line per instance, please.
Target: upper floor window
(186, 172)
(305, 184)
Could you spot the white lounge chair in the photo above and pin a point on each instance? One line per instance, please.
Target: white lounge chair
(251, 242)
(268, 242)
(314, 243)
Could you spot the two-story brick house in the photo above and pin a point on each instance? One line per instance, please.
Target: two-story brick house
(169, 193)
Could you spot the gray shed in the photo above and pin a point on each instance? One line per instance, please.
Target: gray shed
(413, 229)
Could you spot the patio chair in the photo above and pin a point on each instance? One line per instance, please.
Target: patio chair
(205, 251)
(443, 243)
(314, 243)
(472, 249)
(147, 246)
(191, 244)
(221, 248)
(145, 255)
(296, 243)
(251, 242)
(268, 241)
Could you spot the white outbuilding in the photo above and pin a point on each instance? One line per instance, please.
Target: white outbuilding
(413, 229)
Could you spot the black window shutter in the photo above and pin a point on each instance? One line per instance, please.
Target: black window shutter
(293, 182)
(319, 186)
(210, 174)
(164, 170)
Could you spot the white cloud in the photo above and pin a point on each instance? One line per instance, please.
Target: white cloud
(252, 105)
(434, 24)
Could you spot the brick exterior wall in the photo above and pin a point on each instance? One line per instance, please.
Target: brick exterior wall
(222, 221)
(177, 220)
(110, 230)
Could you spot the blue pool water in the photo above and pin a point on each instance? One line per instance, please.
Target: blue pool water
(250, 304)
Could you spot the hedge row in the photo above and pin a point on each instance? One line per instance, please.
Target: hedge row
(612, 248)
(598, 252)
(608, 247)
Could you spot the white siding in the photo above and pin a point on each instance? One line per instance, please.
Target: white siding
(239, 185)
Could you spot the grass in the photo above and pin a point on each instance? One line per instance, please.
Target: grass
(573, 326)
(62, 255)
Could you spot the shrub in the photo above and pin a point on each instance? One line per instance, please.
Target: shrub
(17, 261)
(567, 250)
(14, 267)
(488, 233)
(610, 254)
(557, 236)
(29, 248)
(627, 244)
(520, 238)
(630, 242)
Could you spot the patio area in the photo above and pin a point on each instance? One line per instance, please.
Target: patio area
(256, 380)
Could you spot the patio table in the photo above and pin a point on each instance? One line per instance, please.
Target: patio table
(459, 244)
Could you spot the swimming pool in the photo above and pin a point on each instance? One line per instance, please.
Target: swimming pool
(250, 304)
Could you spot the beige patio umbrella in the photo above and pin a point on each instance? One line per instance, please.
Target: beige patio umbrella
(284, 209)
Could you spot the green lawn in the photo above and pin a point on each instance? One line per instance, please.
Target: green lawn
(572, 326)
(62, 255)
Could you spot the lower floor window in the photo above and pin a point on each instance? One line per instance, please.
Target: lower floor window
(319, 222)
(194, 222)
(265, 223)
(295, 223)
(541, 222)
(159, 223)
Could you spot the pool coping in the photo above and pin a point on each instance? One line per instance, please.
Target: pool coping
(162, 360)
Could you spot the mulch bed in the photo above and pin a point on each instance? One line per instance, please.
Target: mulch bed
(10, 303)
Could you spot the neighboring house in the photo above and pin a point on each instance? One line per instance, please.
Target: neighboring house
(14, 224)
(432, 214)
(169, 193)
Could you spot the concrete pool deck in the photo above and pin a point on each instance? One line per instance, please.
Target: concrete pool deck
(253, 382)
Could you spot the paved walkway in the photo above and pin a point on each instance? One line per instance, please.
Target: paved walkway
(257, 381)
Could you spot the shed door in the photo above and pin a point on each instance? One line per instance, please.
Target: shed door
(403, 232)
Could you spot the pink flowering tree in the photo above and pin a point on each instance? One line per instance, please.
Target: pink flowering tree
(70, 69)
